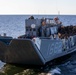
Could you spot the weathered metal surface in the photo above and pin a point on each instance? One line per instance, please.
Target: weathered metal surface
(22, 52)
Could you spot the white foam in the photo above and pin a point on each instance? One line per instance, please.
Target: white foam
(54, 71)
(1, 64)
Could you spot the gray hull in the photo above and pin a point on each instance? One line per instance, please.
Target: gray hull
(25, 51)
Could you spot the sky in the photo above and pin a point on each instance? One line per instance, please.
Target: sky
(25, 7)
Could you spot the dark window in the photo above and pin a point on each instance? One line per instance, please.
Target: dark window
(27, 29)
(30, 29)
(34, 29)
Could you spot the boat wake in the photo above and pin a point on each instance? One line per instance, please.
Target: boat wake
(54, 71)
(1, 64)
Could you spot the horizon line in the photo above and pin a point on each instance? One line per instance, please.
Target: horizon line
(38, 14)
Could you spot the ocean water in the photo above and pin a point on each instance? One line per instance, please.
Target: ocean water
(14, 25)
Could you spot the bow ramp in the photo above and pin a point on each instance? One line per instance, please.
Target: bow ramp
(21, 51)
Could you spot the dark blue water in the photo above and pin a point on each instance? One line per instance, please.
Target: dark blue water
(14, 25)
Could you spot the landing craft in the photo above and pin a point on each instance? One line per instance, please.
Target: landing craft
(41, 43)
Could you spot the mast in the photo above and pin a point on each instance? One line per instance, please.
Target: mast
(58, 13)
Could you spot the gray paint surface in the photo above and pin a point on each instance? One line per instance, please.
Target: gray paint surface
(50, 47)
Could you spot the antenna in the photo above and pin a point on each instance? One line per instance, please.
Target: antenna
(57, 8)
(58, 12)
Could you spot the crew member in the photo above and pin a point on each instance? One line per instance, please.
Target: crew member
(42, 29)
